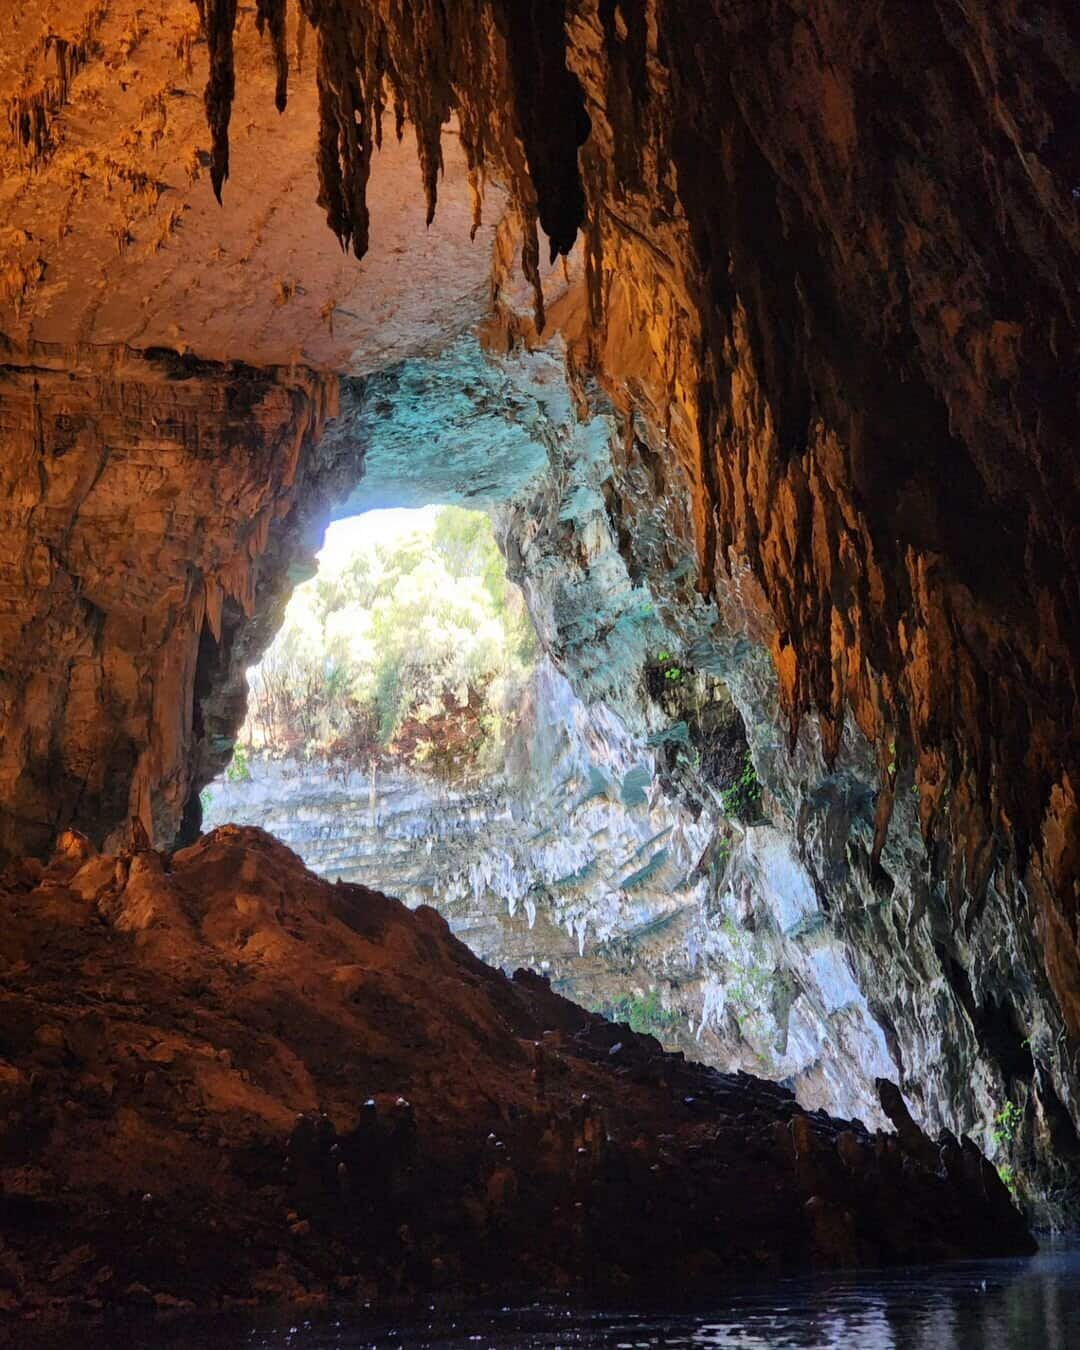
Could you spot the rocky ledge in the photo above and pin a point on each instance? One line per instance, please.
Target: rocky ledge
(223, 1079)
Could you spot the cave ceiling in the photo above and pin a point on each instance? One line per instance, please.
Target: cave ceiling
(110, 233)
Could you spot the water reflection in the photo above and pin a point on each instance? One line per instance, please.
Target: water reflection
(1029, 1304)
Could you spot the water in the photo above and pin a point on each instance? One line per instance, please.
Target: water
(1024, 1304)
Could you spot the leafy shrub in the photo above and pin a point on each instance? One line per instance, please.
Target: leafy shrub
(670, 669)
(1006, 1123)
(1008, 1178)
(644, 1015)
(238, 770)
(742, 798)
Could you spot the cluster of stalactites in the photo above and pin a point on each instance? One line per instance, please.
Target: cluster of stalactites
(33, 108)
(427, 58)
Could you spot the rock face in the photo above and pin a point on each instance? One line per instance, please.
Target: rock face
(195, 1134)
(957, 985)
(151, 504)
(831, 320)
(577, 861)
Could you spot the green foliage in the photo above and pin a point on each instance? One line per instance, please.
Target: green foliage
(1006, 1123)
(672, 672)
(238, 770)
(742, 798)
(1008, 1177)
(406, 645)
(748, 982)
(206, 798)
(747, 990)
(644, 1015)
(387, 697)
(465, 541)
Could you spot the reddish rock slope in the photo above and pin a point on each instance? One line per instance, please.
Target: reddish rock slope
(221, 1078)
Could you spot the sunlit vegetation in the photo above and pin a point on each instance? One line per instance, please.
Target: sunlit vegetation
(1006, 1123)
(742, 796)
(1004, 1133)
(642, 1014)
(414, 647)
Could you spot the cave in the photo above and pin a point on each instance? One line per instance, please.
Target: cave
(750, 331)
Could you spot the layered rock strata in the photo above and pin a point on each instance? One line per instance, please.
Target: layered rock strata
(151, 508)
(182, 1123)
(576, 862)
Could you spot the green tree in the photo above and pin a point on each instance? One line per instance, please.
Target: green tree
(398, 641)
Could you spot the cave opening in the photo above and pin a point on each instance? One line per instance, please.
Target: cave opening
(408, 644)
(390, 700)
(483, 710)
(407, 731)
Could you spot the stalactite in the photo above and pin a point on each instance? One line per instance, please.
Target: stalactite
(220, 22)
(32, 110)
(433, 61)
(271, 15)
(345, 135)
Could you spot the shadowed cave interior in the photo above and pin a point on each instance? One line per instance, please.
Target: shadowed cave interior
(691, 655)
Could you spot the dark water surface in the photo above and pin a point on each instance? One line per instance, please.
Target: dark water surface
(984, 1305)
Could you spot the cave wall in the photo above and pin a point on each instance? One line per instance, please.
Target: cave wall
(866, 345)
(834, 258)
(958, 993)
(150, 505)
